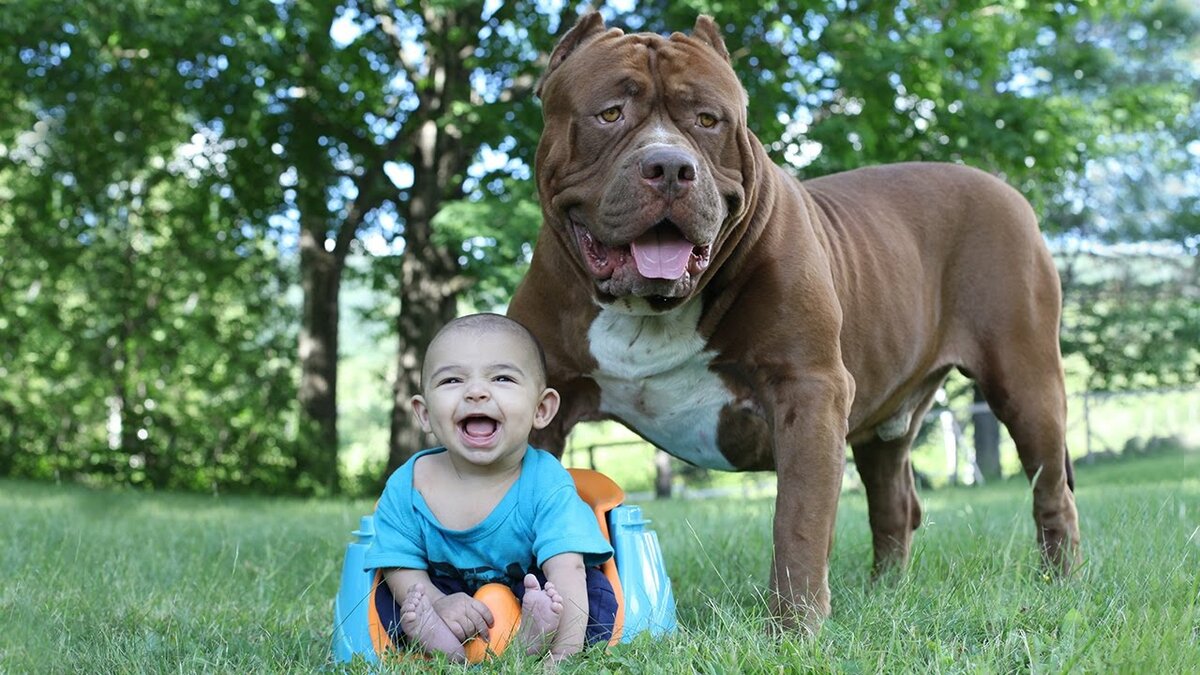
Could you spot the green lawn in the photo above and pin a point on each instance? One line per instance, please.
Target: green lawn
(100, 582)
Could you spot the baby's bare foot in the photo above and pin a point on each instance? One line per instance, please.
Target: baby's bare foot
(423, 626)
(541, 609)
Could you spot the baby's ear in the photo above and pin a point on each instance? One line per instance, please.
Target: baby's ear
(421, 412)
(547, 408)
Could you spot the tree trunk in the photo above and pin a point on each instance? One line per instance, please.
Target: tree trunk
(317, 467)
(987, 438)
(427, 301)
(321, 275)
(430, 280)
(429, 290)
(125, 369)
(8, 451)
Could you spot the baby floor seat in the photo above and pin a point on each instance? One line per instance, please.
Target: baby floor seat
(645, 602)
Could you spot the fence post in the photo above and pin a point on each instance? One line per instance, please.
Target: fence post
(1087, 426)
(663, 476)
(950, 443)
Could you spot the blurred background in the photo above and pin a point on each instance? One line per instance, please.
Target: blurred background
(228, 228)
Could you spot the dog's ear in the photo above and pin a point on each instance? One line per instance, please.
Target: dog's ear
(588, 27)
(708, 31)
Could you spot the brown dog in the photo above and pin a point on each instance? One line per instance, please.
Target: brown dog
(740, 319)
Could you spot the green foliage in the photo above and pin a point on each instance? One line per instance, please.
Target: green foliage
(494, 235)
(1135, 318)
(158, 161)
(146, 338)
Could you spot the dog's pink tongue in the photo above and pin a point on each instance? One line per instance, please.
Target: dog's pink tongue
(661, 253)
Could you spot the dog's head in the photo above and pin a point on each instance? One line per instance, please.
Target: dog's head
(645, 165)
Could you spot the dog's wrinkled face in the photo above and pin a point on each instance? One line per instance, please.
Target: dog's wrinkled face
(639, 166)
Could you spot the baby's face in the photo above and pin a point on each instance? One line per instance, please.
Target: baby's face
(483, 395)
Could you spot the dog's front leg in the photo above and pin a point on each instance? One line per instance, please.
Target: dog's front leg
(809, 419)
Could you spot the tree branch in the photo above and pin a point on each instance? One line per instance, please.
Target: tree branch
(372, 194)
(387, 23)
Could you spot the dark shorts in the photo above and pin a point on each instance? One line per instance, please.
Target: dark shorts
(602, 604)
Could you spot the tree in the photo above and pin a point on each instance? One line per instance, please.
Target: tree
(171, 170)
(320, 100)
(468, 84)
(145, 339)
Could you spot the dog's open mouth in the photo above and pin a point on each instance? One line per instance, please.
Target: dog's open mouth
(661, 253)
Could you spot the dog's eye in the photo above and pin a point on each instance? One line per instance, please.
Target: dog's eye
(706, 120)
(610, 115)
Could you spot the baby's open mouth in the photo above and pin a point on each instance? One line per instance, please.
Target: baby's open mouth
(478, 427)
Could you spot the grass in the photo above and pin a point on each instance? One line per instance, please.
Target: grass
(134, 582)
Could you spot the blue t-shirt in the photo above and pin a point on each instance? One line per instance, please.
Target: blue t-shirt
(539, 517)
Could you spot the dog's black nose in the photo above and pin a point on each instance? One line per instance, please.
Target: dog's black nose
(668, 169)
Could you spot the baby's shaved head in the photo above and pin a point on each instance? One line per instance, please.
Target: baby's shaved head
(485, 323)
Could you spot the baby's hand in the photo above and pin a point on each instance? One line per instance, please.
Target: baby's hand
(465, 616)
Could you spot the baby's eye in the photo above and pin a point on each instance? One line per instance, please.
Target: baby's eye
(449, 380)
(504, 378)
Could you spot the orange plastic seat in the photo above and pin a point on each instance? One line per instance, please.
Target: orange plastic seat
(603, 495)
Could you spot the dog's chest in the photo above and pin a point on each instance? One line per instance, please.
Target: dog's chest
(653, 374)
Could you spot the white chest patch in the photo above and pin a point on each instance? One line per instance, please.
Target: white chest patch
(653, 374)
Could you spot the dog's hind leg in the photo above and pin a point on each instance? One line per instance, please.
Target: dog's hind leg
(1018, 366)
(1025, 389)
(1006, 339)
(892, 505)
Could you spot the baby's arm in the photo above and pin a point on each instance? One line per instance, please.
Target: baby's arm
(567, 573)
(465, 616)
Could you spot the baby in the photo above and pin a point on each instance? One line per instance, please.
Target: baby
(486, 507)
